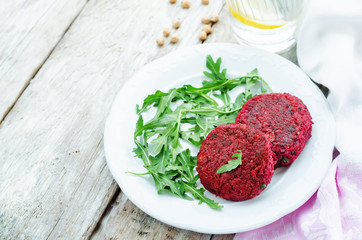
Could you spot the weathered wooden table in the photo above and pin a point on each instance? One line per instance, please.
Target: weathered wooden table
(61, 65)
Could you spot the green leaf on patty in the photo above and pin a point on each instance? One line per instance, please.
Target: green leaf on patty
(232, 164)
(262, 186)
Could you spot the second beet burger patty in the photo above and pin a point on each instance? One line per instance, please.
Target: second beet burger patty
(248, 179)
(284, 118)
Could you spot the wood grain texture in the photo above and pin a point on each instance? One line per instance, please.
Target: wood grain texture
(53, 177)
(125, 221)
(223, 237)
(29, 31)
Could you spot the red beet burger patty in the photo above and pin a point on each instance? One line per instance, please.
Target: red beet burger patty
(284, 118)
(248, 179)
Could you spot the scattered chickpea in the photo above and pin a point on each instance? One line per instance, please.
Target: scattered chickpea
(185, 3)
(207, 29)
(203, 35)
(166, 32)
(176, 23)
(174, 38)
(172, 1)
(160, 41)
(214, 18)
(205, 2)
(205, 19)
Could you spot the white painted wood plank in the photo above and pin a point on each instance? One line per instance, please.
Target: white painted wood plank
(53, 179)
(126, 221)
(29, 30)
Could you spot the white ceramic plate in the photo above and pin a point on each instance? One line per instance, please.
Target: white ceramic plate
(290, 187)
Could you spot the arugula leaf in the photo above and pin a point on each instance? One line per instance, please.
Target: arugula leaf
(254, 73)
(214, 67)
(139, 126)
(262, 186)
(224, 97)
(149, 100)
(239, 101)
(199, 194)
(188, 114)
(164, 103)
(184, 159)
(193, 138)
(162, 160)
(142, 152)
(162, 181)
(232, 164)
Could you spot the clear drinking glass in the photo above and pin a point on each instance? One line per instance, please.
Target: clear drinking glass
(267, 24)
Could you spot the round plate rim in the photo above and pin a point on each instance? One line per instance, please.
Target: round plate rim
(108, 131)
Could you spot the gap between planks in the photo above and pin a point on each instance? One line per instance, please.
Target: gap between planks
(37, 69)
(107, 210)
(113, 197)
(118, 192)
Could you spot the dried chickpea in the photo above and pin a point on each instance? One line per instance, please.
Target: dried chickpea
(214, 18)
(166, 32)
(160, 41)
(205, 2)
(202, 35)
(185, 3)
(207, 29)
(172, 1)
(176, 23)
(205, 19)
(174, 38)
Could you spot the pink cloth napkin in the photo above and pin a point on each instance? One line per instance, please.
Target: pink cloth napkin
(333, 212)
(330, 52)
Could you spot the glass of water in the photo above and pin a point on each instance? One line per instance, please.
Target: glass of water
(267, 24)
